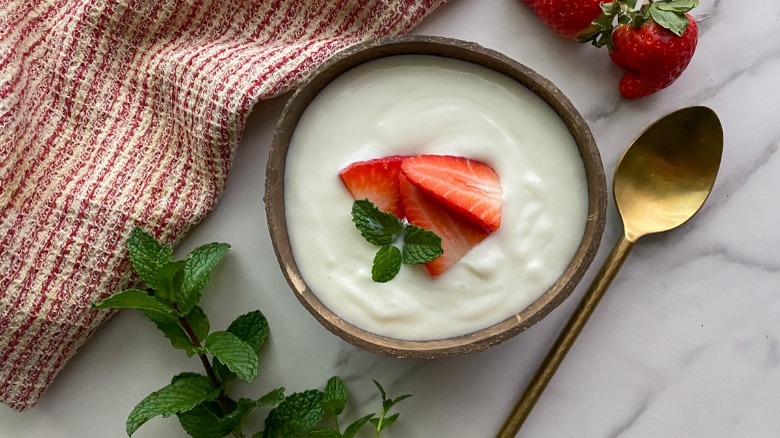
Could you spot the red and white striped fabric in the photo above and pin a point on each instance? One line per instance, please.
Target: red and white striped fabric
(115, 113)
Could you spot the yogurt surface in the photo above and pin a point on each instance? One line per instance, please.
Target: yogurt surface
(415, 104)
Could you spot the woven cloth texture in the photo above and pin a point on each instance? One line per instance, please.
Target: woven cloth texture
(117, 113)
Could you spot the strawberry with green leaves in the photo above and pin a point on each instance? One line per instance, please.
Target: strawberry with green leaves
(653, 56)
(654, 41)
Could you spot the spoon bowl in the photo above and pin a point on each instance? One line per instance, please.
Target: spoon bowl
(666, 175)
(661, 181)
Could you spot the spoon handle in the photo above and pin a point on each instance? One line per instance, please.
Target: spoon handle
(566, 338)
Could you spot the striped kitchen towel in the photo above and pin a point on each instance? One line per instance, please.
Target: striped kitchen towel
(117, 113)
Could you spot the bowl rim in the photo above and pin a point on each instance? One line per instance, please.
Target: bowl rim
(469, 52)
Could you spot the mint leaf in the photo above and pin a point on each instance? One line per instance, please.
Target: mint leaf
(420, 245)
(335, 396)
(387, 263)
(356, 425)
(377, 227)
(381, 391)
(222, 371)
(201, 422)
(180, 396)
(251, 328)
(147, 255)
(199, 322)
(134, 299)
(199, 264)
(273, 397)
(169, 326)
(173, 330)
(673, 21)
(388, 404)
(297, 414)
(242, 410)
(324, 433)
(206, 421)
(169, 278)
(186, 375)
(234, 353)
(239, 414)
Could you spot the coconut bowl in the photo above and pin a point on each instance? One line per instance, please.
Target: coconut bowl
(469, 52)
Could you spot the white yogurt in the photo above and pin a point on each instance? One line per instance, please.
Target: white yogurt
(407, 105)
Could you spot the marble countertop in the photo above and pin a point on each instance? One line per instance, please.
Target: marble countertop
(685, 343)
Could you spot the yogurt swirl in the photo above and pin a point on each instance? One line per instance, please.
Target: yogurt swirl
(418, 104)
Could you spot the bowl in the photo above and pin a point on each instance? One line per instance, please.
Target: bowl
(472, 53)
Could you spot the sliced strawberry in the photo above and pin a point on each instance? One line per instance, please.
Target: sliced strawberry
(457, 234)
(468, 187)
(377, 181)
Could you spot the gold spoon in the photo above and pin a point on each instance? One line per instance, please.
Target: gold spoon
(662, 180)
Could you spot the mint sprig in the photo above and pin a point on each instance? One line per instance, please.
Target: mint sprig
(383, 421)
(199, 401)
(383, 229)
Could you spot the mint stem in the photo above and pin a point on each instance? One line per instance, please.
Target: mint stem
(196, 342)
(221, 398)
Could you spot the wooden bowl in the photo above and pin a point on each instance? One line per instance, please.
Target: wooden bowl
(473, 53)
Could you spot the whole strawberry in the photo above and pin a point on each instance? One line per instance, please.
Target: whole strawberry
(568, 18)
(654, 42)
(653, 55)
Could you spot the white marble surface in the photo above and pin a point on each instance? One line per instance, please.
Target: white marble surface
(685, 343)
